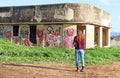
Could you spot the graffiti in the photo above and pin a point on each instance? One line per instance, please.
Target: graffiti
(16, 41)
(6, 32)
(8, 35)
(50, 28)
(40, 35)
(53, 37)
(24, 32)
(27, 42)
(68, 40)
(1, 31)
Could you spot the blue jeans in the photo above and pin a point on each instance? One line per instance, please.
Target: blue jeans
(81, 53)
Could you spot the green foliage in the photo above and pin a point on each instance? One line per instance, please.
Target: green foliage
(10, 52)
(102, 55)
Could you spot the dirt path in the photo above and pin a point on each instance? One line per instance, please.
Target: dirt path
(52, 70)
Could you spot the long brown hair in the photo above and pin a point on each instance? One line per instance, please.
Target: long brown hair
(79, 35)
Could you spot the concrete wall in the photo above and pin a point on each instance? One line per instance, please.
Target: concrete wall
(68, 12)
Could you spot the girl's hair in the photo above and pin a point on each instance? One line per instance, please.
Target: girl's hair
(79, 35)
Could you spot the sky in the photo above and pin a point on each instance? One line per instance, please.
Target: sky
(111, 6)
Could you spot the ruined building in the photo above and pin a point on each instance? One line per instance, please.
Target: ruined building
(55, 25)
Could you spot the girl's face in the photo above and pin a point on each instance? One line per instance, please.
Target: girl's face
(79, 33)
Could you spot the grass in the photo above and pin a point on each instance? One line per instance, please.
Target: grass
(102, 55)
(12, 53)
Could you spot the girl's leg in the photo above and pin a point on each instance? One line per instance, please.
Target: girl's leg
(82, 59)
(76, 59)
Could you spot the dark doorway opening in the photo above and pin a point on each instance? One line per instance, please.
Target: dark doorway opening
(33, 34)
(15, 30)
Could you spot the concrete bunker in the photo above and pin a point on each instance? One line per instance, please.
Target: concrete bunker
(55, 25)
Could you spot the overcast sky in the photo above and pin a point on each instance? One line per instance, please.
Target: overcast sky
(111, 6)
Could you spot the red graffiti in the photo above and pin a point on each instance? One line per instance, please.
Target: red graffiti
(8, 35)
(40, 35)
(27, 42)
(16, 41)
(57, 32)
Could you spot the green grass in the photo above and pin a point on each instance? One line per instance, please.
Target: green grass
(102, 55)
(12, 53)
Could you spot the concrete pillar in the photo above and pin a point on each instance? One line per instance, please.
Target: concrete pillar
(108, 45)
(100, 36)
(90, 36)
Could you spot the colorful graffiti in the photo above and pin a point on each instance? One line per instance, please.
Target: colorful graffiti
(16, 41)
(8, 35)
(1, 31)
(27, 42)
(53, 37)
(6, 32)
(24, 31)
(46, 36)
(49, 36)
(24, 35)
(68, 40)
(40, 35)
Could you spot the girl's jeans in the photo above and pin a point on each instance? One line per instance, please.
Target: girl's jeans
(79, 52)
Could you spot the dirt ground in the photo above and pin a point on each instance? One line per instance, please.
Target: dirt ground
(54, 70)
